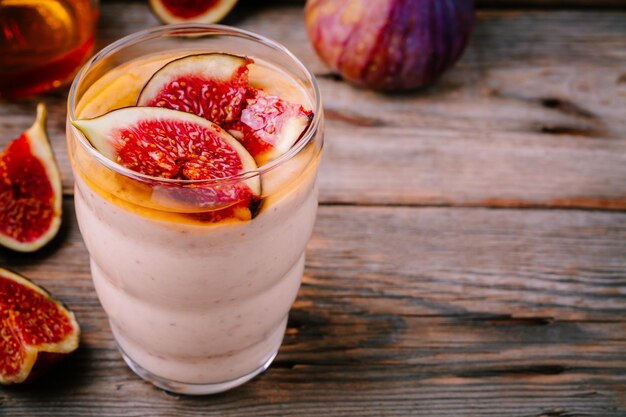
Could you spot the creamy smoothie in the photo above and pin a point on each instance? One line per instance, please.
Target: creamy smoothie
(196, 306)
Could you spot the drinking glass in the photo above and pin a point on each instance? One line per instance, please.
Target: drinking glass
(195, 307)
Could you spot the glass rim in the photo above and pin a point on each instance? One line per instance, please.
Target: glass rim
(194, 28)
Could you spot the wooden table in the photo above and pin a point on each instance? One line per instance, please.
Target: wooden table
(469, 256)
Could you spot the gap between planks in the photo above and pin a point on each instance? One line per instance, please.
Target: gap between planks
(495, 205)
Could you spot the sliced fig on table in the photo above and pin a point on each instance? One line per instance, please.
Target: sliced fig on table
(36, 330)
(30, 190)
(173, 145)
(180, 11)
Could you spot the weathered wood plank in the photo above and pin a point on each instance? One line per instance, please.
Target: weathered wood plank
(533, 115)
(596, 4)
(418, 311)
(403, 311)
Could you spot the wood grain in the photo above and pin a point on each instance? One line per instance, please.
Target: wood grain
(403, 311)
(464, 309)
(596, 4)
(534, 115)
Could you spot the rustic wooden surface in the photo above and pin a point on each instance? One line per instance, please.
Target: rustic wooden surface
(596, 4)
(469, 257)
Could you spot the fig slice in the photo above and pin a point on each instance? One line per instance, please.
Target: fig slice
(35, 329)
(212, 86)
(202, 11)
(269, 126)
(215, 86)
(170, 144)
(30, 190)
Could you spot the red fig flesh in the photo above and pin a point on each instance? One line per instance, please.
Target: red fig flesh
(212, 86)
(30, 190)
(269, 126)
(203, 11)
(34, 328)
(170, 144)
(215, 86)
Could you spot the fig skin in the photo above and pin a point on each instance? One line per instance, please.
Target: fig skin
(389, 45)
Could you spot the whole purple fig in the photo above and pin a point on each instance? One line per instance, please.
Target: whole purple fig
(389, 45)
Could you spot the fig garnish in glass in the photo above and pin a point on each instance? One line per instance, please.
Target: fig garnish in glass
(195, 150)
(43, 43)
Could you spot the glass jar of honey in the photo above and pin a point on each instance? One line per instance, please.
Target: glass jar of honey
(43, 43)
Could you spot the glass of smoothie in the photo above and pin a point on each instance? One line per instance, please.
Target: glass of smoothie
(195, 150)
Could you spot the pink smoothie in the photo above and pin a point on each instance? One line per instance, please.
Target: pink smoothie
(194, 302)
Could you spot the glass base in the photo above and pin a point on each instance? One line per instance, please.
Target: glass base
(193, 389)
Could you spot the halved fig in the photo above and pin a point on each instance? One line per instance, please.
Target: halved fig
(30, 190)
(212, 86)
(215, 86)
(35, 329)
(170, 144)
(180, 11)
